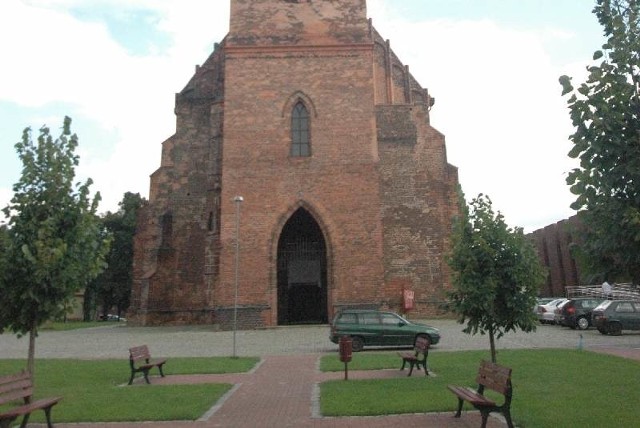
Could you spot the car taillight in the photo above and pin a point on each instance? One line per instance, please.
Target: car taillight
(571, 310)
(541, 309)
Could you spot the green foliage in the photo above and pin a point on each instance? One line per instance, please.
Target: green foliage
(54, 246)
(95, 391)
(4, 246)
(605, 113)
(496, 273)
(113, 286)
(547, 385)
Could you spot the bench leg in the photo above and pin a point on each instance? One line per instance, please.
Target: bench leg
(132, 376)
(485, 415)
(47, 414)
(411, 365)
(507, 416)
(460, 403)
(6, 423)
(424, 367)
(403, 364)
(160, 368)
(25, 419)
(146, 375)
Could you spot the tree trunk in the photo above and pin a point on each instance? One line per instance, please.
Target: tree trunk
(492, 342)
(32, 349)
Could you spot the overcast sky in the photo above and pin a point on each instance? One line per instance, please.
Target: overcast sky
(114, 66)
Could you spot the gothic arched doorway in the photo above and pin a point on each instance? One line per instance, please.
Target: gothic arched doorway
(302, 271)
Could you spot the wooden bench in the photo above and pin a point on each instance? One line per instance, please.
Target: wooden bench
(418, 357)
(140, 361)
(494, 377)
(17, 389)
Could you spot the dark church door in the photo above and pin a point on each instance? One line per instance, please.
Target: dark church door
(302, 271)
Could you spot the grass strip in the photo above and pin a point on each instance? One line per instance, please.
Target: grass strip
(73, 325)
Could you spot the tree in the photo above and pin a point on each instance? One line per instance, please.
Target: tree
(496, 273)
(113, 286)
(54, 246)
(605, 111)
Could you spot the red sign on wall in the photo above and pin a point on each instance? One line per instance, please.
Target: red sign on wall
(407, 299)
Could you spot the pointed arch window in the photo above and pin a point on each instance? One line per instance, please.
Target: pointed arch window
(300, 135)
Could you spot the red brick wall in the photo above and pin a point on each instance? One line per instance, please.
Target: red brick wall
(553, 245)
(336, 182)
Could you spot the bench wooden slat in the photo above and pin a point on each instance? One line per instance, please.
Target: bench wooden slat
(139, 353)
(494, 377)
(18, 382)
(14, 377)
(11, 396)
(471, 396)
(29, 408)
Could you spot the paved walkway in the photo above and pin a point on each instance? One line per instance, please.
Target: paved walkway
(283, 392)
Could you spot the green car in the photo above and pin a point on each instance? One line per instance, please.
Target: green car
(378, 328)
(613, 316)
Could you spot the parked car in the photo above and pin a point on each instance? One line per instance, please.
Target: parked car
(541, 301)
(576, 313)
(112, 317)
(378, 328)
(613, 316)
(545, 300)
(546, 311)
(557, 312)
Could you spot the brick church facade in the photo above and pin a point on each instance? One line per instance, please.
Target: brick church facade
(306, 112)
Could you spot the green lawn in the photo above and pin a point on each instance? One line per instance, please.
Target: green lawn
(96, 391)
(551, 387)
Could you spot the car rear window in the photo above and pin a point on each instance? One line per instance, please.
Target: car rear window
(348, 318)
(604, 305)
(369, 318)
(389, 319)
(625, 307)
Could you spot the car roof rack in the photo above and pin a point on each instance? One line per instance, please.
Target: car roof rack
(618, 292)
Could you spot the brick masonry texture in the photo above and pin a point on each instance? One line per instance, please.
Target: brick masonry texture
(553, 244)
(377, 183)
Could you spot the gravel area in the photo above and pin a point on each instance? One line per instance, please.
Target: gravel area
(113, 341)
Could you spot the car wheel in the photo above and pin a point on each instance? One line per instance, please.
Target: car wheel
(582, 323)
(615, 329)
(425, 336)
(357, 344)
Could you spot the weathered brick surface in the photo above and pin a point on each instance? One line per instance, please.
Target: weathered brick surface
(378, 183)
(553, 244)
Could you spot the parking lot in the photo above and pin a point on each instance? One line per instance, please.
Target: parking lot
(114, 339)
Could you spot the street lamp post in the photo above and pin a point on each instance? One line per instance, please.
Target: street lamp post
(238, 200)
